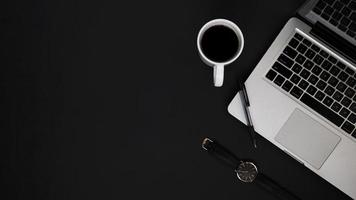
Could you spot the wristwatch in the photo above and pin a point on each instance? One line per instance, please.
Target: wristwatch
(246, 171)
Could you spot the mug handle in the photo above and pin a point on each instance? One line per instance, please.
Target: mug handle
(218, 75)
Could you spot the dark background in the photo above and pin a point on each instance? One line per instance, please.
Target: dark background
(109, 100)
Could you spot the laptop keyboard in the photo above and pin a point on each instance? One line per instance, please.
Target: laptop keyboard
(318, 80)
(340, 13)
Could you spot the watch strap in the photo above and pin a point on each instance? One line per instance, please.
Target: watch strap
(274, 188)
(221, 153)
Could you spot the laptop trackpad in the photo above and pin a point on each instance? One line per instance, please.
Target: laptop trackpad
(307, 138)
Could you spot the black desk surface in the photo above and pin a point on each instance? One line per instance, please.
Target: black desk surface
(109, 100)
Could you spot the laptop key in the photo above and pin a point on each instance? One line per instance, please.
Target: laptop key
(325, 75)
(302, 48)
(305, 74)
(324, 54)
(293, 43)
(346, 102)
(337, 5)
(296, 92)
(341, 87)
(334, 22)
(329, 90)
(345, 11)
(349, 71)
(350, 92)
(352, 27)
(330, 2)
(279, 80)
(328, 10)
(300, 59)
(333, 81)
(285, 60)
(348, 127)
(352, 5)
(341, 65)
(320, 96)
(350, 33)
(336, 107)
(308, 64)
(335, 71)
(342, 28)
(315, 48)
(351, 82)
(353, 15)
(307, 42)
(325, 16)
(321, 85)
(344, 21)
(317, 10)
(295, 79)
(343, 76)
(313, 79)
(326, 65)
(353, 107)
(322, 109)
(310, 54)
(332, 59)
(352, 118)
(271, 75)
(290, 52)
(328, 101)
(336, 16)
(344, 112)
(287, 86)
(296, 68)
(345, 1)
(298, 36)
(282, 70)
(303, 84)
(316, 70)
(337, 96)
(321, 5)
(311, 90)
(318, 59)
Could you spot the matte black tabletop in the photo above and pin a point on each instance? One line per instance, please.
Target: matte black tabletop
(110, 100)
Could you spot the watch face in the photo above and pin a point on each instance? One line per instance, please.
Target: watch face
(247, 172)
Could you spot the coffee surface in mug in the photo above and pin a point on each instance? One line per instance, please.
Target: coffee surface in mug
(219, 43)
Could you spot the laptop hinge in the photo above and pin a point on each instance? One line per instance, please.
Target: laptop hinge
(336, 42)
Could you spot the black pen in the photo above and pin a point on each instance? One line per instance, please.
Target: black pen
(246, 105)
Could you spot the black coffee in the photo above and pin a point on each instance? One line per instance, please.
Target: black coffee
(219, 43)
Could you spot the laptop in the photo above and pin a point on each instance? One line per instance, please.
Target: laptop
(302, 92)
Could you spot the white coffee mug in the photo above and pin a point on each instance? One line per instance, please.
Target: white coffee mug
(219, 66)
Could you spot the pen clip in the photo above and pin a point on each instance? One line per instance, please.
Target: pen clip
(243, 88)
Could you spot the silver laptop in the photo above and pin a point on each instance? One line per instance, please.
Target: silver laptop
(302, 92)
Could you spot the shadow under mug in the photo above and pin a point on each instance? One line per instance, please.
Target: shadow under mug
(219, 66)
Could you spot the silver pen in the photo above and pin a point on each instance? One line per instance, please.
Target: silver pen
(246, 105)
